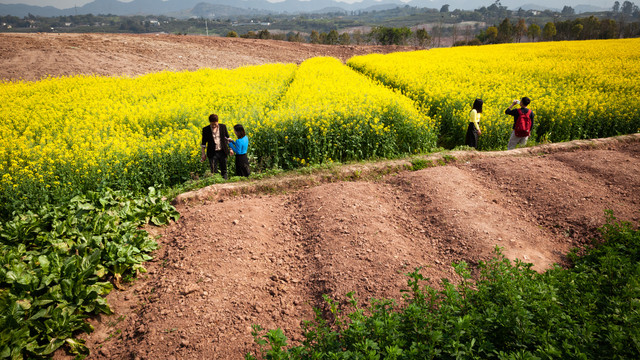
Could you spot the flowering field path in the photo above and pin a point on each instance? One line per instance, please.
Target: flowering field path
(264, 252)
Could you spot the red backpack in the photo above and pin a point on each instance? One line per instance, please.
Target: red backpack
(523, 123)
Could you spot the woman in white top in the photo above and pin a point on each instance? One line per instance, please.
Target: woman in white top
(473, 131)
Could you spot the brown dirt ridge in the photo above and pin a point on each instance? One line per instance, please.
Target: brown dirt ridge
(265, 251)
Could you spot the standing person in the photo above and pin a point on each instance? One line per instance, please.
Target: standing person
(473, 131)
(240, 147)
(522, 122)
(214, 139)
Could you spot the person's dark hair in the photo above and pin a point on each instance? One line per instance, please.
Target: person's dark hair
(240, 130)
(525, 101)
(477, 104)
(213, 118)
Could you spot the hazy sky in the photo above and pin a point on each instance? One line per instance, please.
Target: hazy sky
(65, 4)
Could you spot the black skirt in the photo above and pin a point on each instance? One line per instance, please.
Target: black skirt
(242, 165)
(472, 136)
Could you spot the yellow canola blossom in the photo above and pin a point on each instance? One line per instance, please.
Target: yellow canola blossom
(331, 113)
(579, 89)
(83, 132)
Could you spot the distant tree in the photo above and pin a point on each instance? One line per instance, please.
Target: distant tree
(314, 38)
(521, 30)
(497, 10)
(533, 32)
(616, 7)
(232, 34)
(576, 30)
(627, 8)
(344, 38)
(492, 34)
(423, 38)
(391, 36)
(505, 31)
(591, 27)
(249, 35)
(264, 34)
(444, 8)
(332, 38)
(609, 29)
(568, 10)
(295, 37)
(357, 37)
(549, 31)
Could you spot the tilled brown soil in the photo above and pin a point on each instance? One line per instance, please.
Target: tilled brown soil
(264, 252)
(258, 258)
(34, 56)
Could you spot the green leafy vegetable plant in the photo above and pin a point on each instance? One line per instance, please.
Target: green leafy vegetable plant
(56, 265)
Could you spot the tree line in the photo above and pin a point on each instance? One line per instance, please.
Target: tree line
(400, 26)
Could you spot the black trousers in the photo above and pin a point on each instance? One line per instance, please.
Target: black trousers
(242, 165)
(219, 160)
(472, 136)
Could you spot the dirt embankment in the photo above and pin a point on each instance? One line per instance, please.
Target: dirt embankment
(267, 257)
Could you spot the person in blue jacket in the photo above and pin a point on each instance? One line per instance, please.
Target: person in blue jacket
(240, 148)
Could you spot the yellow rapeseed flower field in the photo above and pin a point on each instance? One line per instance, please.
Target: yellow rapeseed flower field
(332, 113)
(580, 89)
(70, 135)
(78, 133)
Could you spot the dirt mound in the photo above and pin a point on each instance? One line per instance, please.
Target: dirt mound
(267, 257)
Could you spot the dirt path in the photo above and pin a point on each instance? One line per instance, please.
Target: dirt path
(265, 252)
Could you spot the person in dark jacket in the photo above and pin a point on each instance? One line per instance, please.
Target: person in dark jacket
(214, 142)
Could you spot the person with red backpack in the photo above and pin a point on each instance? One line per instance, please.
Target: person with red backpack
(522, 122)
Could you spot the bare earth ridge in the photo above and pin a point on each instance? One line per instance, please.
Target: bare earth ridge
(263, 252)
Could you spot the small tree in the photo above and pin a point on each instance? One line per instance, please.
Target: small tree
(505, 31)
(332, 38)
(492, 34)
(423, 38)
(521, 29)
(576, 30)
(344, 39)
(232, 34)
(391, 36)
(249, 35)
(616, 7)
(357, 37)
(533, 32)
(264, 34)
(314, 38)
(295, 37)
(549, 31)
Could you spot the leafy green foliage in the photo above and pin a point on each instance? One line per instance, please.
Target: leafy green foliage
(590, 311)
(56, 263)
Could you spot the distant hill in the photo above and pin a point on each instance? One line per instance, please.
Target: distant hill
(225, 8)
